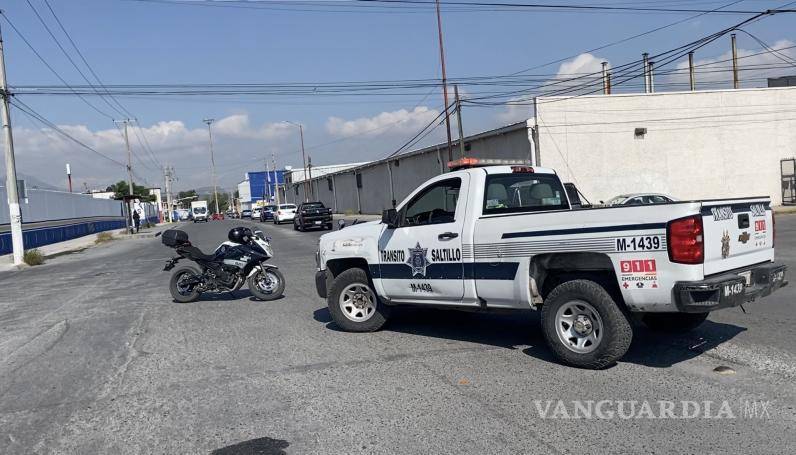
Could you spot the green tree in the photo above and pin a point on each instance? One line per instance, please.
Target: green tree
(223, 202)
(121, 189)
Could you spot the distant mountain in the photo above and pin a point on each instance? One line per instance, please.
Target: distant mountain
(35, 183)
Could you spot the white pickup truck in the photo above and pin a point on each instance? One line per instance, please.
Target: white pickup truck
(507, 237)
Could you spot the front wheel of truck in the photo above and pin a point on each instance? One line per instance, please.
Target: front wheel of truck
(673, 322)
(353, 303)
(584, 326)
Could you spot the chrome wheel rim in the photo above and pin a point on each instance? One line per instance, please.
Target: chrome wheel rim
(579, 326)
(357, 302)
(267, 282)
(182, 288)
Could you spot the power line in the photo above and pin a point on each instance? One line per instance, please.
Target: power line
(123, 110)
(27, 110)
(25, 40)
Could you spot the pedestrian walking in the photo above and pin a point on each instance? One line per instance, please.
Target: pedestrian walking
(136, 220)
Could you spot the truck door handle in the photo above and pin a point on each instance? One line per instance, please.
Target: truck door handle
(447, 235)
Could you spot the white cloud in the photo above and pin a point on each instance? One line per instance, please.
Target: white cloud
(719, 69)
(43, 152)
(400, 122)
(582, 65)
(238, 126)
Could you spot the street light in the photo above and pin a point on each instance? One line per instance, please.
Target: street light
(303, 156)
(209, 121)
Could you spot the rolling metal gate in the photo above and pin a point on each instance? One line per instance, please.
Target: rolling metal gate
(788, 173)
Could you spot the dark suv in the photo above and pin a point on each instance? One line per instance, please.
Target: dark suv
(312, 214)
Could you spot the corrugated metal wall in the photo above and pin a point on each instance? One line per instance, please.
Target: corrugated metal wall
(46, 205)
(398, 177)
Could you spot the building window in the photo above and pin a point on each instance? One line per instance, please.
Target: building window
(329, 181)
(359, 180)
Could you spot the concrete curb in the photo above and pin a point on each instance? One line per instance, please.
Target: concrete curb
(82, 243)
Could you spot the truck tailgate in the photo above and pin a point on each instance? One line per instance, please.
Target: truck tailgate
(738, 233)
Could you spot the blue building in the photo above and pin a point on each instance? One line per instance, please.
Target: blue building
(261, 187)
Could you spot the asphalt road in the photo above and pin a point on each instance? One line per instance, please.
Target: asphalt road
(96, 358)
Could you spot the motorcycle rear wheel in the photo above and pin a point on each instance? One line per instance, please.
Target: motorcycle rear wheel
(179, 291)
(267, 284)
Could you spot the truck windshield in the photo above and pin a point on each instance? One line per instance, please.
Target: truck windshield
(523, 192)
(199, 210)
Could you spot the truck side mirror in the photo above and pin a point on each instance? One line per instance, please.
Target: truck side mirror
(390, 218)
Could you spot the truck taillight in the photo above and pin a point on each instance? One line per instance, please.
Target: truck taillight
(773, 229)
(685, 240)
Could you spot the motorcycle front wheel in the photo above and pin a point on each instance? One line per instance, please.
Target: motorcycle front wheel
(267, 284)
(180, 290)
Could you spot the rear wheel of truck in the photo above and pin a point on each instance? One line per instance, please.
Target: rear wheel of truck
(674, 322)
(583, 325)
(353, 303)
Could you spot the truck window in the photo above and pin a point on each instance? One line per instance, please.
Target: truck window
(514, 193)
(434, 205)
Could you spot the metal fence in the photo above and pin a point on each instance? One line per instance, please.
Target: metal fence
(54, 216)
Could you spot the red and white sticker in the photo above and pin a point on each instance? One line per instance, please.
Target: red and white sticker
(639, 274)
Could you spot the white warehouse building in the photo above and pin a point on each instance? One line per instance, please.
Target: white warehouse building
(691, 145)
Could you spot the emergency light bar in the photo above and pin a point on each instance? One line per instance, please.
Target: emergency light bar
(465, 163)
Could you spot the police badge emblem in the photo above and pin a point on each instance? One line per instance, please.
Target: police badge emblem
(418, 260)
(725, 245)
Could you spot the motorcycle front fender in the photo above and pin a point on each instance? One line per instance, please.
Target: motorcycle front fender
(259, 267)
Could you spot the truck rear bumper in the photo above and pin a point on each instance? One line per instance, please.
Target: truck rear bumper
(730, 289)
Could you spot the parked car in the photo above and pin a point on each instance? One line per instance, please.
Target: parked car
(640, 199)
(312, 214)
(267, 213)
(217, 216)
(285, 212)
(256, 213)
(246, 213)
(507, 237)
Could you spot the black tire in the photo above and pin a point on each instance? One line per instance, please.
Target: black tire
(263, 294)
(329, 226)
(352, 277)
(615, 334)
(183, 297)
(673, 322)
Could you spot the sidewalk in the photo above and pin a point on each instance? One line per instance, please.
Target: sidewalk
(81, 243)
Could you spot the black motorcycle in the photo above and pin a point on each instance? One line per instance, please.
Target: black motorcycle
(237, 261)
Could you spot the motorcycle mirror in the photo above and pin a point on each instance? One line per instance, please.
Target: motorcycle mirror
(340, 224)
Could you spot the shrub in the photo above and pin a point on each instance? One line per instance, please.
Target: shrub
(103, 237)
(33, 257)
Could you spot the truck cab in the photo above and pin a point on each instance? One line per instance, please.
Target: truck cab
(507, 237)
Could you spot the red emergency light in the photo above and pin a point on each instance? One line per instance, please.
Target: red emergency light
(469, 162)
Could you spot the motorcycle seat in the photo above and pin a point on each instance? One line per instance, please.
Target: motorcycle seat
(196, 254)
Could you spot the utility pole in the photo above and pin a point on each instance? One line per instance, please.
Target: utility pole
(168, 175)
(651, 76)
(12, 193)
(459, 120)
(736, 83)
(209, 122)
(309, 169)
(129, 174)
(691, 76)
(267, 186)
(537, 158)
(444, 82)
(69, 176)
(606, 90)
(276, 177)
(645, 59)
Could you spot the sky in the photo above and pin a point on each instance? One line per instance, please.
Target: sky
(166, 42)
